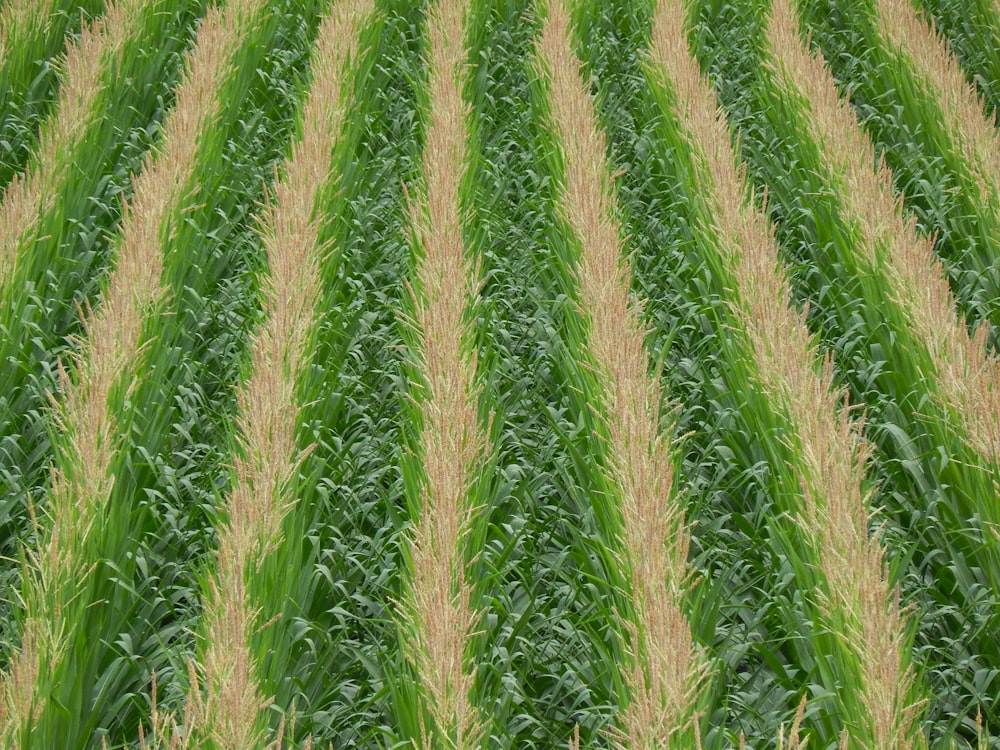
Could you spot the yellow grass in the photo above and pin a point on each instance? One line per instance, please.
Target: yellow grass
(438, 609)
(668, 670)
(961, 105)
(29, 195)
(968, 379)
(232, 712)
(82, 483)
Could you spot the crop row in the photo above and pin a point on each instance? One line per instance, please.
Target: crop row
(369, 379)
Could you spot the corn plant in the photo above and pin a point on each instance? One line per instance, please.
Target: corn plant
(333, 585)
(437, 619)
(33, 33)
(941, 157)
(906, 427)
(458, 375)
(548, 646)
(60, 221)
(973, 33)
(98, 707)
(232, 712)
(666, 676)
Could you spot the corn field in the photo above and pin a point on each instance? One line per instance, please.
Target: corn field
(453, 374)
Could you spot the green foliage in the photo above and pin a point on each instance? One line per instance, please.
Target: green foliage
(972, 29)
(135, 617)
(752, 605)
(932, 486)
(64, 259)
(906, 126)
(29, 78)
(334, 663)
(550, 652)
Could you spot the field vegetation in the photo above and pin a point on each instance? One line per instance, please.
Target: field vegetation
(499, 374)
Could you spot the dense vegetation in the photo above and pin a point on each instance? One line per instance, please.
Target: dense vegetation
(499, 373)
